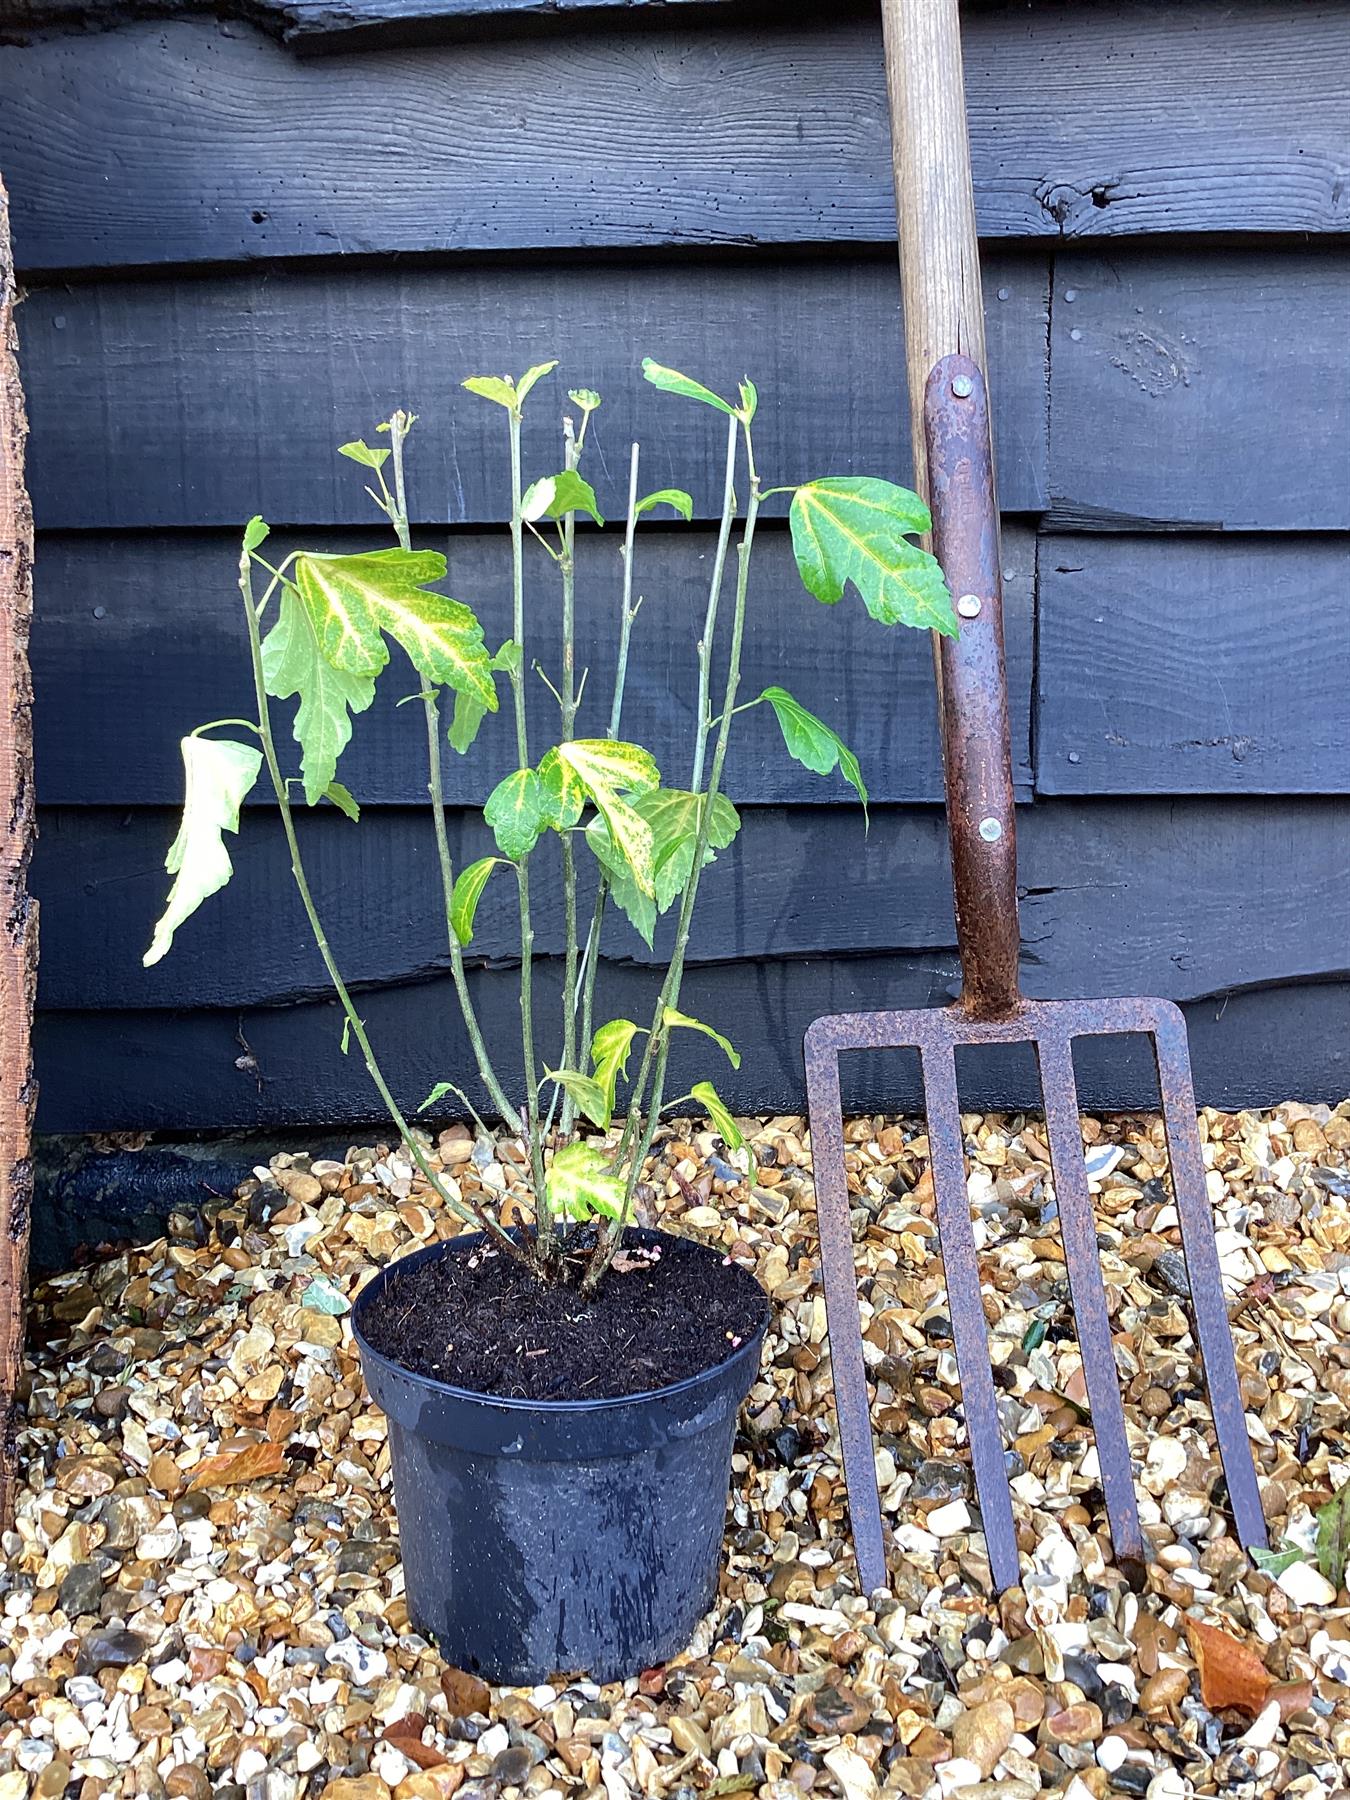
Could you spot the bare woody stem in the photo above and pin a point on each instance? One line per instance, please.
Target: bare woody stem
(591, 957)
(568, 709)
(544, 1233)
(468, 1211)
(398, 431)
(705, 643)
(658, 1041)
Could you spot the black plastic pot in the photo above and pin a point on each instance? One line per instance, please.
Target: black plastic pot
(541, 1538)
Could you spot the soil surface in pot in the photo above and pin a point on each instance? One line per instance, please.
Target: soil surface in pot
(663, 1314)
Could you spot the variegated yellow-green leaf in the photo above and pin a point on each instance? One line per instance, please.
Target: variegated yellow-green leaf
(561, 795)
(218, 775)
(554, 496)
(586, 398)
(587, 1093)
(673, 815)
(292, 664)
(812, 743)
(610, 1049)
(729, 1131)
(638, 908)
(580, 1183)
(609, 769)
(352, 600)
(515, 813)
(673, 1020)
(858, 529)
(360, 452)
(508, 393)
(670, 381)
(465, 895)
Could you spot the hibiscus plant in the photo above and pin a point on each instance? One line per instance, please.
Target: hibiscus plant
(318, 630)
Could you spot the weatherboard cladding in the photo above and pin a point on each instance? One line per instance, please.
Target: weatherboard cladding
(246, 233)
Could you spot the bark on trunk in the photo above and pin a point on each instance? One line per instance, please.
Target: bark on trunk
(18, 913)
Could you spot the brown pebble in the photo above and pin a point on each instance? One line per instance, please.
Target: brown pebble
(1080, 1723)
(1027, 1700)
(1164, 1690)
(847, 1646)
(464, 1693)
(1155, 1402)
(187, 1782)
(982, 1734)
(835, 1709)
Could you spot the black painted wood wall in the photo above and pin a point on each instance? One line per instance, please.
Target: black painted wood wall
(246, 238)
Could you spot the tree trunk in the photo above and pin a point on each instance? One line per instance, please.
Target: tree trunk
(18, 913)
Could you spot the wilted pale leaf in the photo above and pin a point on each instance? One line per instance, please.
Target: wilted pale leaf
(218, 775)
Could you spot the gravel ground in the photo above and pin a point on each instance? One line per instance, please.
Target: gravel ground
(203, 1593)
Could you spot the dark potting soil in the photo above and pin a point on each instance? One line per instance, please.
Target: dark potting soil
(663, 1313)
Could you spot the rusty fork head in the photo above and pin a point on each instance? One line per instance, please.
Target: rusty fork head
(977, 763)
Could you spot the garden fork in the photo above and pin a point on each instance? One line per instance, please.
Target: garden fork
(953, 454)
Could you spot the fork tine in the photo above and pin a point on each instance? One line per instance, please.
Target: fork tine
(1078, 1227)
(970, 1328)
(1209, 1307)
(843, 1322)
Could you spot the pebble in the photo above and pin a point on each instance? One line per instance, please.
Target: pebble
(983, 1734)
(1306, 1585)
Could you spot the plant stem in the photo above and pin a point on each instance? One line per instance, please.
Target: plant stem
(705, 644)
(657, 1050)
(469, 1211)
(431, 706)
(568, 709)
(590, 961)
(544, 1240)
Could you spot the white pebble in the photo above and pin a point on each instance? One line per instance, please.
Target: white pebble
(1261, 1735)
(1111, 1753)
(946, 1521)
(365, 1665)
(1168, 1785)
(1306, 1586)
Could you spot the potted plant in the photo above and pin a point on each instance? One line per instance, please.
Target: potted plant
(562, 1399)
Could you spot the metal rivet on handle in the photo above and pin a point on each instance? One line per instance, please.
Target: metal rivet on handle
(990, 830)
(963, 387)
(969, 606)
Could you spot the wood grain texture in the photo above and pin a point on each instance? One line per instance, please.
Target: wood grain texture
(178, 1072)
(1174, 897)
(18, 914)
(182, 140)
(1200, 391)
(248, 382)
(1192, 665)
(147, 632)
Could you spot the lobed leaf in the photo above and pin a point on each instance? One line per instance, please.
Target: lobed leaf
(812, 743)
(610, 1048)
(554, 496)
(857, 529)
(255, 533)
(466, 893)
(498, 388)
(218, 775)
(514, 810)
(608, 769)
(293, 664)
(673, 1020)
(580, 1183)
(673, 815)
(586, 398)
(362, 453)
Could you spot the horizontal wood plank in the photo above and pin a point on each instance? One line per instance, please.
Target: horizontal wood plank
(1198, 665)
(202, 401)
(184, 140)
(137, 640)
(1179, 898)
(179, 1072)
(1200, 391)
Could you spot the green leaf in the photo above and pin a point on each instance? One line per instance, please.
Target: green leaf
(676, 498)
(749, 399)
(608, 769)
(610, 1049)
(255, 533)
(554, 496)
(351, 600)
(530, 376)
(515, 812)
(727, 1128)
(441, 1089)
(588, 1094)
(670, 381)
(342, 798)
(638, 908)
(464, 722)
(672, 1020)
(673, 815)
(580, 1183)
(362, 453)
(345, 1041)
(561, 794)
(812, 743)
(586, 398)
(508, 659)
(857, 529)
(493, 387)
(218, 774)
(466, 893)
(1275, 1562)
(293, 664)
(1333, 1536)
